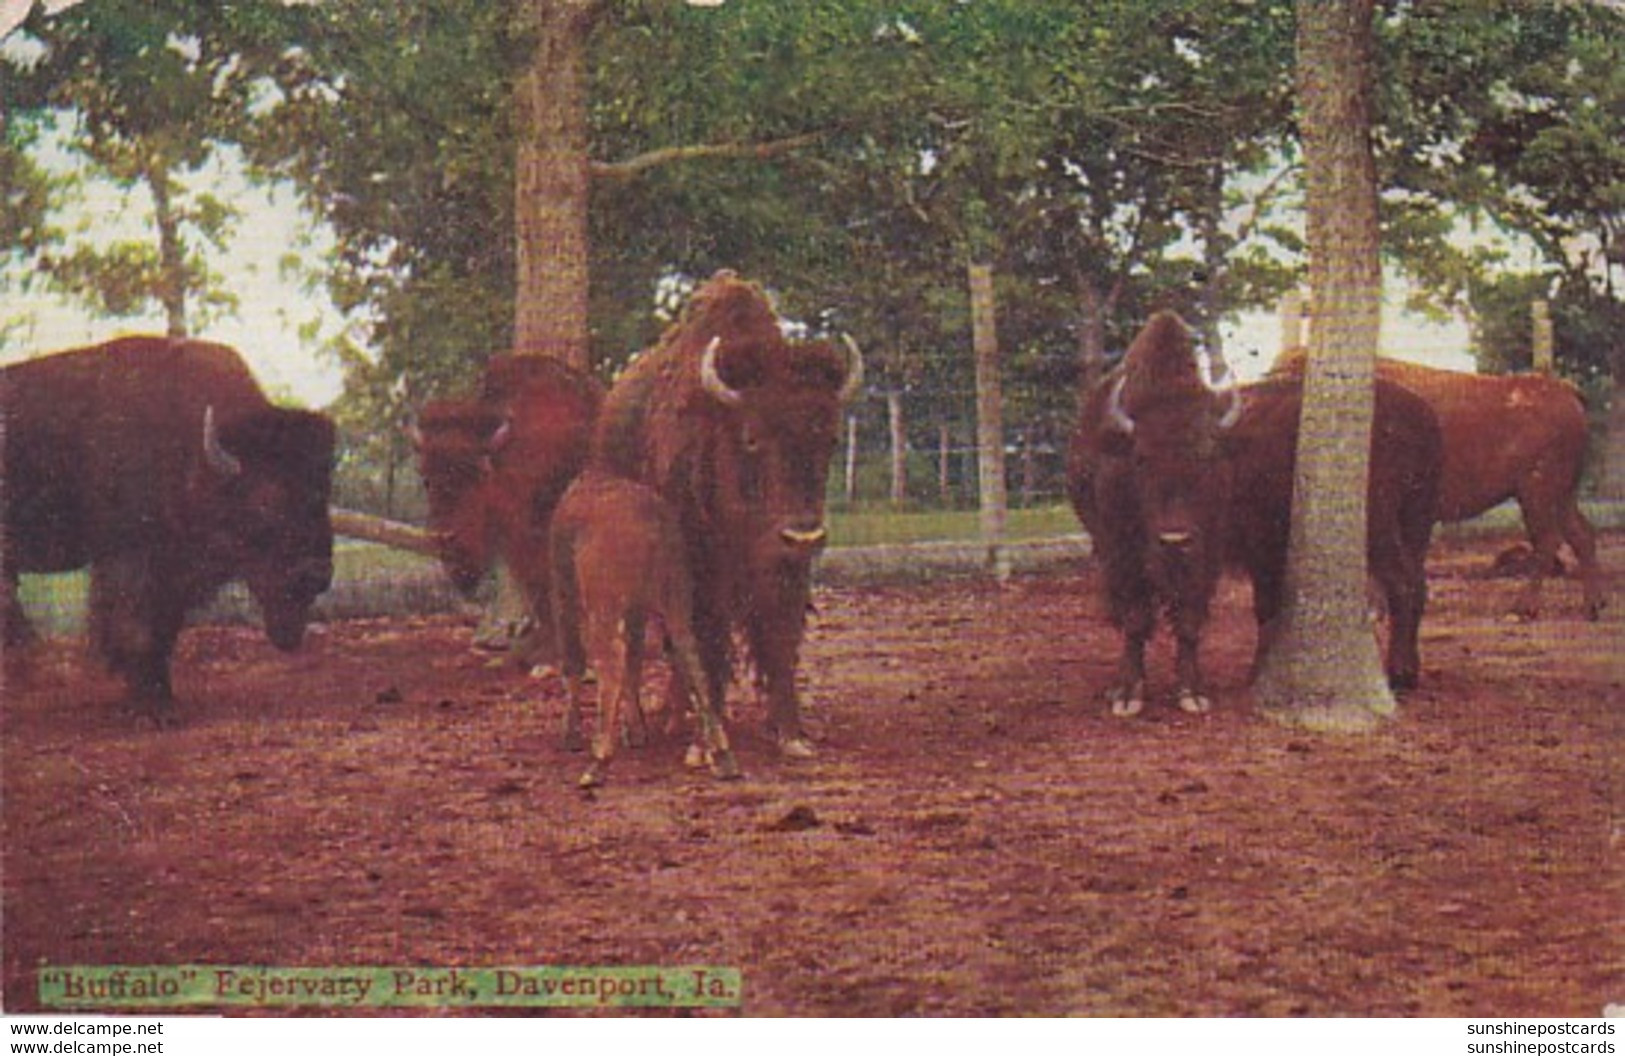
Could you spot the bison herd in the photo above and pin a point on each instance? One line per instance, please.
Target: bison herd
(691, 493)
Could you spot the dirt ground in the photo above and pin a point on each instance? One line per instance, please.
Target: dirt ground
(977, 835)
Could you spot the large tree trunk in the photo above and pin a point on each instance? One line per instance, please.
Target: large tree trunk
(553, 173)
(1324, 671)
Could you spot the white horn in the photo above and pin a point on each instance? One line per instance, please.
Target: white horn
(1219, 379)
(226, 463)
(854, 369)
(1114, 407)
(713, 382)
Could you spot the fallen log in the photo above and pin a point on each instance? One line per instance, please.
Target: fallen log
(356, 525)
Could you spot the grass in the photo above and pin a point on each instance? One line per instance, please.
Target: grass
(884, 527)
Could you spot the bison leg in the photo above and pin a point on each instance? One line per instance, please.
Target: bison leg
(1129, 597)
(134, 631)
(1582, 539)
(711, 747)
(1189, 696)
(608, 649)
(1400, 571)
(1127, 695)
(17, 631)
(566, 593)
(775, 638)
(635, 733)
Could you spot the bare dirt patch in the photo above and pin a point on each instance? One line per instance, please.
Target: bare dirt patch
(977, 836)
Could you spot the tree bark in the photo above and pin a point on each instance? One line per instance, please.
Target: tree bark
(553, 174)
(989, 420)
(1324, 671)
(171, 257)
(899, 447)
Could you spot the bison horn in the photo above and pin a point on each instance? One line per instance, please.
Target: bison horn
(1114, 407)
(499, 439)
(728, 397)
(854, 369)
(226, 463)
(1220, 380)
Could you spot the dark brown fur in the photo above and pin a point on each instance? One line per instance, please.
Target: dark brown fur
(1153, 501)
(105, 466)
(746, 480)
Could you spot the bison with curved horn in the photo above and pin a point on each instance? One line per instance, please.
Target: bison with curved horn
(1148, 477)
(494, 468)
(159, 463)
(734, 426)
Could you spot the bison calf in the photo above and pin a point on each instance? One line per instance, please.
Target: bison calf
(617, 559)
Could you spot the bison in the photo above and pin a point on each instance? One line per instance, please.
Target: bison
(1149, 478)
(1402, 491)
(159, 463)
(1515, 436)
(494, 468)
(617, 559)
(734, 426)
(1176, 481)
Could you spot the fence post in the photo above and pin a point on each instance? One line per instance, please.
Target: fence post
(1541, 339)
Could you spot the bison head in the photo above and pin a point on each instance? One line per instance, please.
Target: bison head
(776, 406)
(269, 477)
(1167, 411)
(455, 443)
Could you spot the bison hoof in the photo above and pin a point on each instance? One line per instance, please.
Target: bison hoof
(1126, 705)
(723, 766)
(1194, 703)
(796, 747)
(695, 757)
(592, 777)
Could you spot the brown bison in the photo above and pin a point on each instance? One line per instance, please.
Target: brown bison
(617, 557)
(1407, 454)
(1514, 436)
(734, 426)
(160, 464)
(1149, 478)
(494, 469)
(1174, 481)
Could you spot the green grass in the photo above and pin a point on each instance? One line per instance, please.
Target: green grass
(882, 527)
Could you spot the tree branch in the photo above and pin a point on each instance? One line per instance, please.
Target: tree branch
(634, 166)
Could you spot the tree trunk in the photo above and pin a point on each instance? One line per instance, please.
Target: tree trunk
(1324, 671)
(989, 420)
(851, 490)
(1613, 453)
(552, 184)
(899, 447)
(945, 494)
(171, 257)
(1091, 335)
